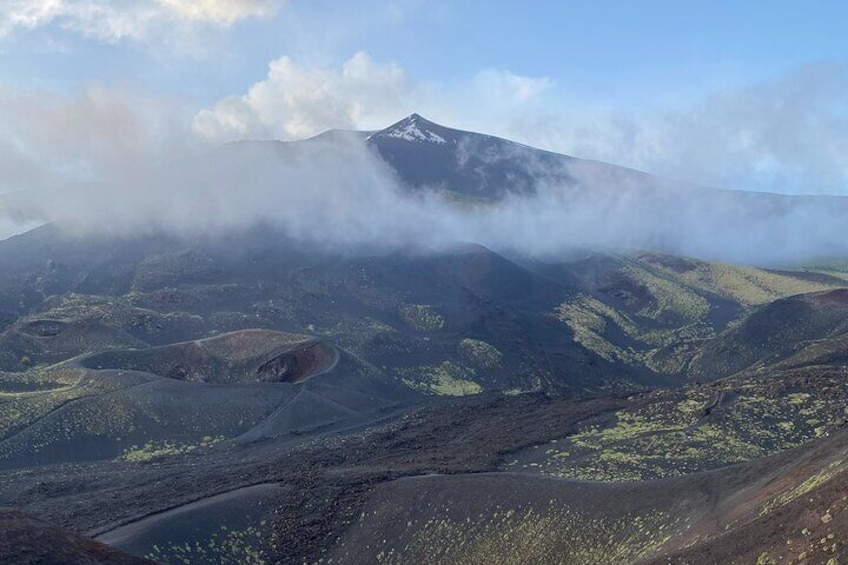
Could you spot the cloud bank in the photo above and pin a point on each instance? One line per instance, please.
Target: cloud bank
(293, 102)
(150, 165)
(338, 195)
(111, 21)
(785, 135)
(51, 139)
(789, 134)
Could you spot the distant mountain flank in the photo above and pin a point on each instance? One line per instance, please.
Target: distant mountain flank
(470, 164)
(475, 188)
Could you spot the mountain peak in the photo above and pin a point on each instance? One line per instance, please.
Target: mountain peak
(417, 119)
(415, 129)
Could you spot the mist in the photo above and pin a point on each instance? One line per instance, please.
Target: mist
(337, 194)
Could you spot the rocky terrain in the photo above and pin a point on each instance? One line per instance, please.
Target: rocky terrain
(253, 399)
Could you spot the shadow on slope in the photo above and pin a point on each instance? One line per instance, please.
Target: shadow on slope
(776, 332)
(27, 540)
(231, 527)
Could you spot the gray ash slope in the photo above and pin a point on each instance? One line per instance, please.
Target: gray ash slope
(620, 207)
(426, 154)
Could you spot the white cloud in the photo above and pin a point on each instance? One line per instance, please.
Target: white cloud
(507, 87)
(114, 20)
(49, 138)
(124, 137)
(339, 195)
(785, 135)
(222, 12)
(294, 102)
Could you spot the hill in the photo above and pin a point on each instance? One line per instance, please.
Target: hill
(248, 396)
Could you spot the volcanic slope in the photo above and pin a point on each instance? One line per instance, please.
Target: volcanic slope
(425, 486)
(412, 407)
(782, 509)
(786, 386)
(671, 216)
(659, 311)
(608, 205)
(801, 330)
(460, 322)
(140, 405)
(469, 165)
(405, 328)
(26, 540)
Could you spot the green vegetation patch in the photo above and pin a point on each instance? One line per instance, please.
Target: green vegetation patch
(248, 546)
(421, 317)
(818, 479)
(672, 298)
(354, 334)
(667, 302)
(552, 535)
(157, 450)
(678, 433)
(588, 317)
(445, 379)
(16, 385)
(748, 286)
(19, 410)
(479, 354)
(662, 350)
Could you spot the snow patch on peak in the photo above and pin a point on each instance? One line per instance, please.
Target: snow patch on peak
(411, 132)
(414, 129)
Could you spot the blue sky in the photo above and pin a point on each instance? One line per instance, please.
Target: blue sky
(736, 94)
(613, 49)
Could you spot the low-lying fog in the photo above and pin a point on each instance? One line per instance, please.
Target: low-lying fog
(340, 195)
